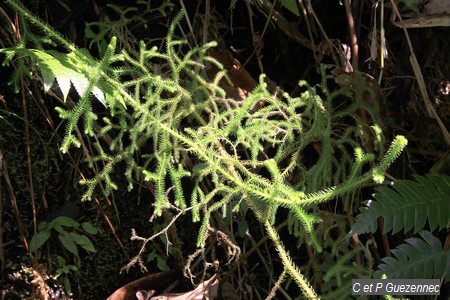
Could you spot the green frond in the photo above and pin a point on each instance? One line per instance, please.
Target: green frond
(417, 258)
(407, 205)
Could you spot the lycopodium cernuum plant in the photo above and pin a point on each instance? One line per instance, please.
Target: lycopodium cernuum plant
(163, 119)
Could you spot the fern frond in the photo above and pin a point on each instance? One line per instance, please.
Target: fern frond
(418, 258)
(407, 205)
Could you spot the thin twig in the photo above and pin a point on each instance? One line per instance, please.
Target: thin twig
(5, 174)
(277, 285)
(29, 164)
(308, 26)
(353, 37)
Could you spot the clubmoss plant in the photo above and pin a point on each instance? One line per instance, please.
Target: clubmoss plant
(164, 120)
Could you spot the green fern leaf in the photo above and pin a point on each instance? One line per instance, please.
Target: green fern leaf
(417, 258)
(408, 205)
(55, 65)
